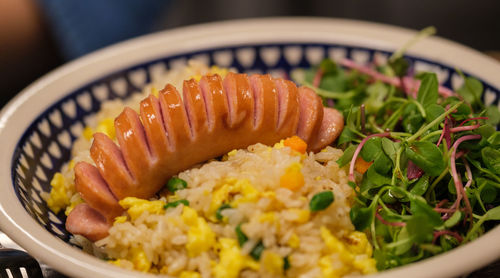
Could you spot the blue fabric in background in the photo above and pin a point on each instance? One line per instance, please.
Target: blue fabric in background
(82, 26)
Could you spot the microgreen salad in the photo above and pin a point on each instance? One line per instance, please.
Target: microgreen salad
(423, 160)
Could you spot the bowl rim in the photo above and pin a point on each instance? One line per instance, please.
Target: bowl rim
(37, 97)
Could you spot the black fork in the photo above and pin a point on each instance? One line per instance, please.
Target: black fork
(18, 264)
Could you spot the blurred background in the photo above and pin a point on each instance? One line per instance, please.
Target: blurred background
(39, 35)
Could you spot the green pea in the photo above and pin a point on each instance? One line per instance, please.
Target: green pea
(218, 214)
(176, 203)
(321, 201)
(257, 251)
(242, 238)
(175, 184)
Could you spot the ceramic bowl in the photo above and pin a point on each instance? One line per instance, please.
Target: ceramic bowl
(38, 126)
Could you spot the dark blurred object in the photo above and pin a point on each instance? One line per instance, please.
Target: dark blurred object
(62, 30)
(474, 24)
(26, 49)
(80, 27)
(14, 262)
(490, 271)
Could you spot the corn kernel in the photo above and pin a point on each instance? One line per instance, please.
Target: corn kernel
(293, 178)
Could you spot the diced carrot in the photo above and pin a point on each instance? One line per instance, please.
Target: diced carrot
(295, 143)
(361, 166)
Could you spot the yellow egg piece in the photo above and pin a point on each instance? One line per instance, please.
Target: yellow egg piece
(334, 245)
(120, 219)
(140, 260)
(190, 274)
(87, 133)
(135, 206)
(107, 126)
(357, 243)
(294, 241)
(231, 262)
(267, 217)
(58, 198)
(200, 236)
(302, 215)
(272, 263)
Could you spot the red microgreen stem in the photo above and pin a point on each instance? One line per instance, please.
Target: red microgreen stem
(456, 177)
(443, 202)
(446, 131)
(444, 210)
(469, 173)
(358, 150)
(410, 85)
(433, 123)
(460, 154)
(473, 119)
(385, 222)
(317, 78)
(464, 128)
(437, 234)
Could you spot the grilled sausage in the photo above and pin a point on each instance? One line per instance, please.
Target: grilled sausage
(171, 134)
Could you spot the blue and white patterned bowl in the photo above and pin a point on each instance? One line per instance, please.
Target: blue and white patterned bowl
(38, 127)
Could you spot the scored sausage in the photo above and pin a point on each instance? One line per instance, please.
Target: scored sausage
(171, 134)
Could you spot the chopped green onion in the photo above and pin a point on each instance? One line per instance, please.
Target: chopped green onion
(176, 203)
(218, 214)
(175, 184)
(321, 201)
(257, 251)
(242, 238)
(286, 263)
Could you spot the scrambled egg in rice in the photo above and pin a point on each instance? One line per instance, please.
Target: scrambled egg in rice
(241, 218)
